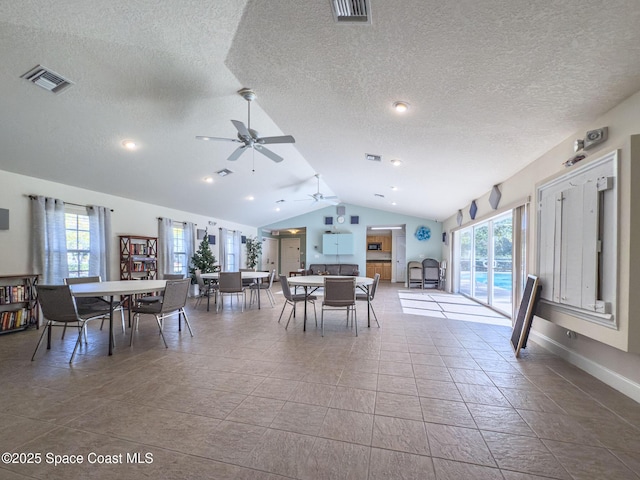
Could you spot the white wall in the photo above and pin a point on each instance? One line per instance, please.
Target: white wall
(600, 350)
(129, 217)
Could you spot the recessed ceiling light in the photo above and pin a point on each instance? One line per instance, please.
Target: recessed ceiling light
(393, 203)
(396, 163)
(250, 197)
(208, 179)
(400, 107)
(394, 188)
(277, 209)
(129, 144)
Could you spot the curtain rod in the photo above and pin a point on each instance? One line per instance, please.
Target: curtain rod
(160, 218)
(33, 197)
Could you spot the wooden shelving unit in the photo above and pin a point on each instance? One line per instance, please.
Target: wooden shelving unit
(138, 257)
(18, 302)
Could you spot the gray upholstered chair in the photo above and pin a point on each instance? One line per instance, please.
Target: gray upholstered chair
(173, 301)
(230, 283)
(430, 273)
(205, 289)
(266, 286)
(59, 309)
(158, 298)
(372, 293)
(293, 299)
(339, 293)
(91, 306)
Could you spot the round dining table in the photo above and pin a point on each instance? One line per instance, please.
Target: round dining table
(246, 275)
(116, 287)
(311, 283)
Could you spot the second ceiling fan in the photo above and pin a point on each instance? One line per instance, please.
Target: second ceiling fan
(249, 138)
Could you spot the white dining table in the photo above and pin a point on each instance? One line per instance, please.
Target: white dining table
(311, 283)
(115, 288)
(246, 275)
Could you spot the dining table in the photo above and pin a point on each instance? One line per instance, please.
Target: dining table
(246, 275)
(116, 288)
(311, 283)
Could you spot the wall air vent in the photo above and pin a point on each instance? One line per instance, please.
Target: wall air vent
(47, 79)
(373, 158)
(351, 11)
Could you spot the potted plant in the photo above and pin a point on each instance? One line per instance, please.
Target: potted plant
(203, 259)
(254, 249)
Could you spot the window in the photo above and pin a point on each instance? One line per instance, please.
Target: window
(179, 250)
(78, 244)
(231, 262)
(577, 219)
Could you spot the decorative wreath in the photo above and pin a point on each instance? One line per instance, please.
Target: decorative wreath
(423, 234)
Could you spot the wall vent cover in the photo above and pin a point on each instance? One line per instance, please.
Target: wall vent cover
(351, 11)
(47, 79)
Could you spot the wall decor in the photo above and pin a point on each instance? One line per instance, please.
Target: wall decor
(444, 238)
(4, 219)
(473, 210)
(494, 197)
(423, 233)
(212, 239)
(201, 232)
(459, 218)
(243, 239)
(355, 219)
(328, 220)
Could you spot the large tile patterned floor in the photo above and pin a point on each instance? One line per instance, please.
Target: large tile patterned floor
(419, 398)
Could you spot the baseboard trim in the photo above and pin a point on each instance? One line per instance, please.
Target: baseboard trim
(624, 385)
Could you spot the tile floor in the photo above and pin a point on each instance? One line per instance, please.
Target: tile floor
(418, 398)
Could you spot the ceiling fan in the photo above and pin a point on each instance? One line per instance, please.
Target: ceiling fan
(249, 138)
(319, 197)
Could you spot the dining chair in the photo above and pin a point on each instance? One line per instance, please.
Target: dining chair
(255, 288)
(173, 302)
(158, 298)
(372, 293)
(230, 283)
(205, 289)
(93, 305)
(292, 299)
(339, 293)
(59, 309)
(247, 282)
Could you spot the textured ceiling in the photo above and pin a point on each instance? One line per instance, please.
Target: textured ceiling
(492, 85)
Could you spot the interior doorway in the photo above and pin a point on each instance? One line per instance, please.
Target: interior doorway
(290, 250)
(269, 254)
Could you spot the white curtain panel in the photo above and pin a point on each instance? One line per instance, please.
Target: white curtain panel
(237, 244)
(165, 245)
(189, 244)
(223, 249)
(100, 247)
(48, 240)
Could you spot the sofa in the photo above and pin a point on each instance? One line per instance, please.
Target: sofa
(352, 269)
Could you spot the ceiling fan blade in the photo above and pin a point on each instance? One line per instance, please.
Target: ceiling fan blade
(281, 139)
(242, 129)
(237, 152)
(218, 139)
(268, 153)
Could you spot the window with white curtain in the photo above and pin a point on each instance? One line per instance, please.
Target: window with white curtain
(179, 264)
(78, 243)
(231, 261)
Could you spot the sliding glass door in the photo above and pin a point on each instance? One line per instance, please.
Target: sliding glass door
(484, 266)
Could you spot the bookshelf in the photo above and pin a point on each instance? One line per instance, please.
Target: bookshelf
(18, 302)
(138, 257)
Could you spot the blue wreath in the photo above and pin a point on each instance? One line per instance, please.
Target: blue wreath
(423, 233)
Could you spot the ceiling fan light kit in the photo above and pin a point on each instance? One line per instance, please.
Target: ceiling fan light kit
(248, 137)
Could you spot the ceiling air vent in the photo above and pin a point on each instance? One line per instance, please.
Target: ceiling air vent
(47, 79)
(351, 11)
(224, 172)
(373, 158)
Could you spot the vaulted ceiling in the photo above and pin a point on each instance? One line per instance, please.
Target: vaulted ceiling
(490, 86)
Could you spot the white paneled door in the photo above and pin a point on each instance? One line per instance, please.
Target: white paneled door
(290, 252)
